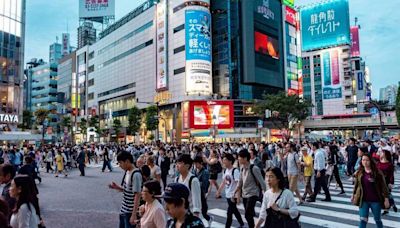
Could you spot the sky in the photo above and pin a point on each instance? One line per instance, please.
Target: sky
(379, 20)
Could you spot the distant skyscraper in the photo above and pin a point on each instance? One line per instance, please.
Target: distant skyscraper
(55, 52)
(389, 94)
(86, 34)
(12, 30)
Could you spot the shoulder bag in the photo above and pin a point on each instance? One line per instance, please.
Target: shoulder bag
(278, 220)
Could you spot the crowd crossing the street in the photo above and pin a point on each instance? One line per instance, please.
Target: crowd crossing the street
(239, 184)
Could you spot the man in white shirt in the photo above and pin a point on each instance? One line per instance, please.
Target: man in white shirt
(319, 169)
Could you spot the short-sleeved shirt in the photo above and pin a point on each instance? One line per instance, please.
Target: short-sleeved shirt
(191, 221)
(308, 170)
(231, 181)
(129, 189)
(292, 160)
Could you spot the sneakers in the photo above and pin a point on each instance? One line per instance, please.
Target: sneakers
(385, 213)
(210, 221)
(341, 193)
(395, 208)
(327, 200)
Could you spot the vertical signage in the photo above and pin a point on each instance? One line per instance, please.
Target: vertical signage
(198, 52)
(161, 27)
(360, 81)
(335, 67)
(65, 44)
(327, 68)
(355, 42)
(290, 15)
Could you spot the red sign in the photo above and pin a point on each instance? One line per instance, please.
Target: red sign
(355, 45)
(293, 92)
(207, 114)
(291, 15)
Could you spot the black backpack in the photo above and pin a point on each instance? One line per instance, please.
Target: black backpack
(260, 196)
(202, 194)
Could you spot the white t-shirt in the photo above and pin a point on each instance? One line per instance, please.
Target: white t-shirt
(25, 218)
(286, 201)
(231, 181)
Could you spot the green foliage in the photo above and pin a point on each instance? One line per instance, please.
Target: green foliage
(398, 106)
(290, 108)
(66, 122)
(134, 120)
(41, 115)
(151, 137)
(151, 118)
(83, 125)
(117, 126)
(95, 122)
(26, 120)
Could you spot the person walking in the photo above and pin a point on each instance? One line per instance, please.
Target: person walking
(250, 177)
(319, 170)
(293, 168)
(106, 160)
(81, 161)
(215, 168)
(230, 180)
(370, 192)
(386, 166)
(277, 200)
(351, 150)
(307, 164)
(152, 212)
(60, 164)
(164, 163)
(334, 161)
(27, 212)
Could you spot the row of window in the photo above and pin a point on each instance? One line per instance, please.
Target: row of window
(179, 49)
(179, 28)
(123, 55)
(179, 70)
(192, 3)
(116, 90)
(129, 35)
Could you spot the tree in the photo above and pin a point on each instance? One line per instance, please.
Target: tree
(134, 120)
(94, 122)
(117, 127)
(26, 120)
(41, 115)
(398, 106)
(151, 118)
(83, 126)
(287, 109)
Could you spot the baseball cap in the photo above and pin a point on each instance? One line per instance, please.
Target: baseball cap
(176, 191)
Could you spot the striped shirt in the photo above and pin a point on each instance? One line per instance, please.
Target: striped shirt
(132, 184)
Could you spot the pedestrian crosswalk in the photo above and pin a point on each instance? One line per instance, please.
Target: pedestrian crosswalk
(338, 213)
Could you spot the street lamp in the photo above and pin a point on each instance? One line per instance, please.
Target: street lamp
(377, 106)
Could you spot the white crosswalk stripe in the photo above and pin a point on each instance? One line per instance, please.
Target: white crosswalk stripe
(338, 213)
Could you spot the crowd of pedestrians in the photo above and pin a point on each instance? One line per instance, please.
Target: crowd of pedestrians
(243, 172)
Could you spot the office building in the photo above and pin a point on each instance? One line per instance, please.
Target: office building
(86, 34)
(55, 52)
(12, 36)
(389, 94)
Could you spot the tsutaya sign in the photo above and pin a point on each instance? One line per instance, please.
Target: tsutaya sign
(7, 118)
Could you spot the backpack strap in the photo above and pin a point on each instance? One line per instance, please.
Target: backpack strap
(190, 182)
(254, 177)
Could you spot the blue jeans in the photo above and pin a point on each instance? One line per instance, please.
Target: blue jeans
(124, 221)
(364, 212)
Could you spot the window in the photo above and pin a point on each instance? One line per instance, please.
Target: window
(91, 69)
(116, 90)
(179, 28)
(179, 49)
(91, 82)
(90, 96)
(179, 70)
(91, 55)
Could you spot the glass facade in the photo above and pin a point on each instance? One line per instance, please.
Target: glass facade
(116, 109)
(12, 16)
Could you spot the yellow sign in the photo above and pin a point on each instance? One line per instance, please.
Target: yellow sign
(162, 97)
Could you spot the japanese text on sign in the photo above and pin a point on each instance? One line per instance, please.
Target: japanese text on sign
(199, 35)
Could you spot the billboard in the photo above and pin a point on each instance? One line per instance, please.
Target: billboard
(289, 3)
(332, 88)
(266, 45)
(355, 42)
(290, 15)
(325, 25)
(206, 114)
(198, 52)
(65, 44)
(96, 8)
(360, 81)
(162, 72)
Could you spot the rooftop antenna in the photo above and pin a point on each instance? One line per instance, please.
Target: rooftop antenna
(356, 23)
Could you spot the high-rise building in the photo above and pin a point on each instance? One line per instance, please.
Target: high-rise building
(389, 94)
(55, 52)
(86, 34)
(12, 36)
(66, 70)
(31, 65)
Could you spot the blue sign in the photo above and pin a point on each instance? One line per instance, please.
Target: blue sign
(374, 111)
(327, 68)
(198, 35)
(325, 25)
(332, 93)
(360, 81)
(260, 123)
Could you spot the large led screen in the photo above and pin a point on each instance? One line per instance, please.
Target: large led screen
(266, 45)
(206, 114)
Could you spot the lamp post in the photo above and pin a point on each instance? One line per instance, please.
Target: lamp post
(377, 106)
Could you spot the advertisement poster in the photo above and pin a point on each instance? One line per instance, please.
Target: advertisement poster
(198, 52)
(96, 8)
(205, 114)
(290, 15)
(355, 42)
(65, 44)
(266, 45)
(360, 81)
(332, 93)
(162, 72)
(327, 68)
(325, 24)
(335, 67)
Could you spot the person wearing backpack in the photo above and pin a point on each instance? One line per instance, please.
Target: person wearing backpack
(131, 187)
(183, 165)
(204, 177)
(230, 180)
(250, 176)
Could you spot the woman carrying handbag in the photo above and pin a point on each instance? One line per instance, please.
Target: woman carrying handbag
(278, 210)
(370, 191)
